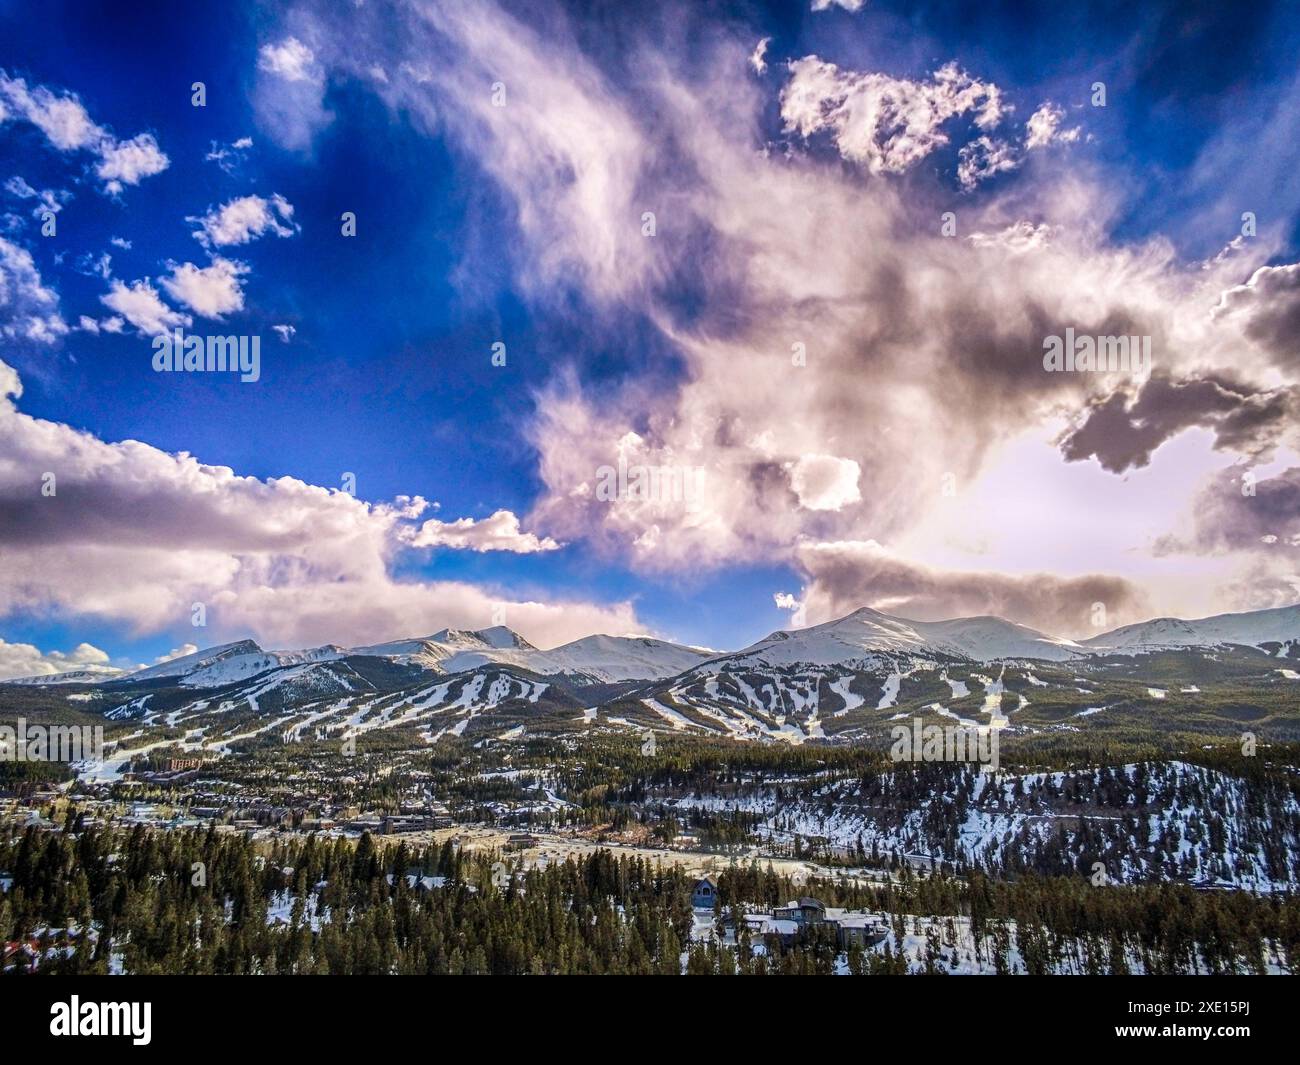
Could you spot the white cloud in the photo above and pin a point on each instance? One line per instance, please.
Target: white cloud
(140, 304)
(228, 157)
(28, 309)
(570, 152)
(825, 482)
(847, 5)
(95, 326)
(211, 291)
(51, 200)
(62, 118)
(290, 59)
(26, 660)
(901, 326)
(982, 158)
(68, 127)
(92, 266)
(884, 123)
(290, 93)
(176, 652)
(498, 532)
(1043, 127)
(128, 162)
(18, 186)
(792, 603)
(289, 563)
(756, 59)
(245, 219)
(1019, 237)
(286, 332)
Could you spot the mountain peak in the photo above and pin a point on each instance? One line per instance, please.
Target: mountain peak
(868, 632)
(1252, 628)
(497, 636)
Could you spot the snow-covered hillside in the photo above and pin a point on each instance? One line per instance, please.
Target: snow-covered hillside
(453, 650)
(1147, 822)
(1254, 628)
(866, 634)
(85, 675)
(865, 641)
(619, 658)
(593, 658)
(230, 663)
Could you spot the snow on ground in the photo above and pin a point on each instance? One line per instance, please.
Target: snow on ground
(677, 720)
(852, 700)
(938, 709)
(997, 822)
(959, 955)
(132, 709)
(993, 699)
(280, 910)
(889, 696)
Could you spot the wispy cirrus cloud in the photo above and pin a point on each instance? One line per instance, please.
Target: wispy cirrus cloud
(832, 317)
(289, 96)
(833, 356)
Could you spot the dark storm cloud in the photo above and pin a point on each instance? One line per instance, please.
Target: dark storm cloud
(1268, 307)
(845, 576)
(1237, 512)
(1122, 431)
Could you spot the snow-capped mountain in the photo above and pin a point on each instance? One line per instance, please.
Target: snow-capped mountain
(619, 658)
(1255, 628)
(85, 675)
(866, 635)
(833, 682)
(230, 663)
(453, 650)
(866, 640)
(594, 658)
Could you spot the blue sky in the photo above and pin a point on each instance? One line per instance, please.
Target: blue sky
(528, 232)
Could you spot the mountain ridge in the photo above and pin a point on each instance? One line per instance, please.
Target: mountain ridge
(863, 635)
